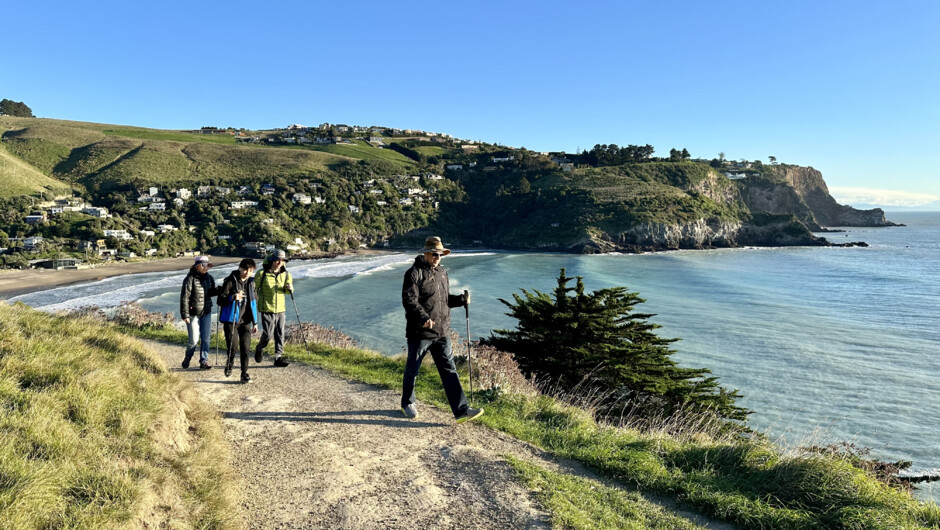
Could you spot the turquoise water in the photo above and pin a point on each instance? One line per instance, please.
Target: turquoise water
(825, 344)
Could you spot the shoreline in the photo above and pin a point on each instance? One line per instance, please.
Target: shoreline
(19, 282)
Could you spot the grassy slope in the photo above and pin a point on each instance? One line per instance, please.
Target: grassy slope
(85, 432)
(363, 151)
(20, 178)
(751, 483)
(110, 156)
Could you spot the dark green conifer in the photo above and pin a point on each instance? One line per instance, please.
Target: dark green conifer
(597, 341)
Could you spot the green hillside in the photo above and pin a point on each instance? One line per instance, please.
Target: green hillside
(20, 178)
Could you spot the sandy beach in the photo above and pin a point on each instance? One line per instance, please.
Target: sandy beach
(19, 282)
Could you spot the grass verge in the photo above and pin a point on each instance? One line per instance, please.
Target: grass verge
(581, 503)
(746, 481)
(95, 433)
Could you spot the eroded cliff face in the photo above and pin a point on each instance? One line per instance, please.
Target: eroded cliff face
(699, 234)
(803, 192)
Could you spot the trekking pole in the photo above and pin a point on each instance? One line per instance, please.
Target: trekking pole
(217, 318)
(466, 308)
(303, 332)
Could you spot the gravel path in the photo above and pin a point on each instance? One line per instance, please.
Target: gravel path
(317, 451)
(314, 450)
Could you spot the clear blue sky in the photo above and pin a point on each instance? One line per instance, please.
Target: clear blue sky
(851, 88)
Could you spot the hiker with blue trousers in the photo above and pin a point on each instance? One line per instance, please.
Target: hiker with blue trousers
(196, 310)
(238, 312)
(425, 294)
(272, 283)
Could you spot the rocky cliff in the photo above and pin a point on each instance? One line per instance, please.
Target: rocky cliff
(803, 192)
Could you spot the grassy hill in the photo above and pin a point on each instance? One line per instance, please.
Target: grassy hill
(19, 178)
(104, 157)
(96, 433)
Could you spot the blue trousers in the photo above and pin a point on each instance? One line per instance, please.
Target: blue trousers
(200, 334)
(444, 360)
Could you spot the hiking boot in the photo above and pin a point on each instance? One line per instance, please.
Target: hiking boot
(204, 366)
(246, 378)
(257, 355)
(410, 411)
(280, 362)
(471, 414)
(185, 363)
(228, 370)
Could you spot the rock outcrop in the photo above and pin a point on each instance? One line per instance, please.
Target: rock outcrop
(801, 191)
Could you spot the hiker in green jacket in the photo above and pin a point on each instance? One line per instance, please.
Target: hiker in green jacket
(272, 282)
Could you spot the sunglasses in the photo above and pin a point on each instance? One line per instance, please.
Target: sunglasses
(436, 254)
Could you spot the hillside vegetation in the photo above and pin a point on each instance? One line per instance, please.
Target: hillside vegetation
(95, 433)
(324, 190)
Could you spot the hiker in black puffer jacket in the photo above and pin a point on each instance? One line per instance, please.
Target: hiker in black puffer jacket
(238, 312)
(425, 294)
(196, 310)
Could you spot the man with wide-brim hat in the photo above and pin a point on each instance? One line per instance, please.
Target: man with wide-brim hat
(427, 300)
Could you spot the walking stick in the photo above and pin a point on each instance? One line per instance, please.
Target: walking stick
(217, 317)
(301, 324)
(466, 308)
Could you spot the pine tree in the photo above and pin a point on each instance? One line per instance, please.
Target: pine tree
(597, 340)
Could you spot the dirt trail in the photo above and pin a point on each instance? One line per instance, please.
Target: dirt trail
(313, 450)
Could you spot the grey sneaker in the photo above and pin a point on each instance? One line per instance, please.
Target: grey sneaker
(471, 414)
(410, 411)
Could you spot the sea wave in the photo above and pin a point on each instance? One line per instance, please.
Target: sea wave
(108, 292)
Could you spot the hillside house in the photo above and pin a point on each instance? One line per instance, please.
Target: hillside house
(166, 228)
(96, 211)
(183, 194)
(158, 206)
(36, 219)
(222, 190)
(432, 176)
(353, 208)
(203, 191)
(267, 190)
(243, 190)
(503, 159)
(178, 202)
(119, 234)
(406, 201)
(31, 242)
(148, 233)
(301, 198)
(375, 191)
(241, 205)
(380, 203)
(454, 167)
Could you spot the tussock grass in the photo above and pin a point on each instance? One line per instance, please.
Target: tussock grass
(746, 480)
(95, 433)
(581, 503)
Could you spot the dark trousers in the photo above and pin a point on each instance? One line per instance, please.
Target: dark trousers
(440, 352)
(243, 345)
(272, 326)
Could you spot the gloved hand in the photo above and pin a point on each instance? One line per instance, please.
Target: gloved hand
(466, 298)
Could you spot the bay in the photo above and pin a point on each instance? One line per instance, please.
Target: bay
(825, 344)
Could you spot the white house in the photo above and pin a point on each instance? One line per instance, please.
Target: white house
(32, 242)
(267, 189)
(166, 228)
(183, 194)
(353, 209)
(301, 198)
(239, 205)
(96, 211)
(203, 191)
(119, 234)
(406, 201)
(158, 206)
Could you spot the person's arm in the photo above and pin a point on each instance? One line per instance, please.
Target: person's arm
(410, 299)
(226, 293)
(185, 293)
(214, 290)
(289, 283)
(458, 300)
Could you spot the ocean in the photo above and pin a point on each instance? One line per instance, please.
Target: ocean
(825, 344)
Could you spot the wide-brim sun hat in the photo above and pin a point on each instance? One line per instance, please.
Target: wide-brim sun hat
(433, 244)
(203, 259)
